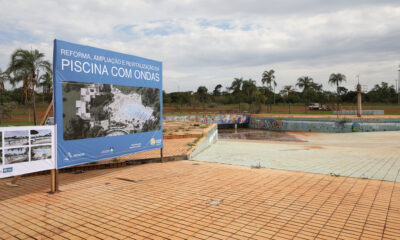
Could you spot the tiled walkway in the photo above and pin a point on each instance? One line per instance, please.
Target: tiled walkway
(374, 155)
(197, 200)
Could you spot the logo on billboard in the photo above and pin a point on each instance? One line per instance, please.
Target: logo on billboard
(7, 170)
(152, 141)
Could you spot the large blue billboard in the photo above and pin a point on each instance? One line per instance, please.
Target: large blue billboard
(107, 104)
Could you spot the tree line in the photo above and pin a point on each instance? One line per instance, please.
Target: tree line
(304, 91)
(29, 69)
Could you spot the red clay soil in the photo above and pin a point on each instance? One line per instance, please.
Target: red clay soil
(166, 110)
(392, 111)
(182, 136)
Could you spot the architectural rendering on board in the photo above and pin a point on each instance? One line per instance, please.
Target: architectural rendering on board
(97, 110)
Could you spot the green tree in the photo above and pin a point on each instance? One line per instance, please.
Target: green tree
(3, 78)
(249, 88)
(25, 66)
(304, 83)
(285, 93)
(202, 93)
(236, 89)
(217, 90)
(336, 79)
(46, 82)
(268, 77)
(382, 93)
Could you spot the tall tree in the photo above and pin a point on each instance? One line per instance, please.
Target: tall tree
(268, 77)
(336, 79)
(217, 90)
(25, 65)
(3, 78)
(285, 93)
(249, 88)
(46, 82)
(236, 87)
(202, 93)
(305, 83)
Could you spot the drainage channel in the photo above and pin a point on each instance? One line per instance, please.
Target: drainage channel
(256, 134)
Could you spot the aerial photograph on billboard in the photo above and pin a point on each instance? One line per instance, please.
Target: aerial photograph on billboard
(93, 110)
(40, 153)
(16, 138)
(42, 136)
(16, 155)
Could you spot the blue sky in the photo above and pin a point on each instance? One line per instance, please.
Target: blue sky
(24, 133)
(211, 42)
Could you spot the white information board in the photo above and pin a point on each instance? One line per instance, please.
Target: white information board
(26, 149)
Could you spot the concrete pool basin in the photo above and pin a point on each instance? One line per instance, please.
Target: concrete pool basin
(372, 155)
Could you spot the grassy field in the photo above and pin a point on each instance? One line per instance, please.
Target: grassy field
(23, 115)
(175, 109)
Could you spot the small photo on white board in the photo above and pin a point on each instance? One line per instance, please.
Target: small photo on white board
(16, 138)
(16, 155)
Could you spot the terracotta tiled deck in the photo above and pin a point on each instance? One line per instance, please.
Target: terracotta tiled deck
(171, 201)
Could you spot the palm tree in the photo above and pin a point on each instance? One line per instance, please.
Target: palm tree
(249, 88)
(336, 79)
(236, 89)
(25, 66)
(46, 82)
(305, 83)
(268, 77)
(3, 78)
(217, 90)
(236, 85)
(285, 92)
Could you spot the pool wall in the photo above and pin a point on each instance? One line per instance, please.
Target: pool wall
(363, 112)
(303, 124)
(210, 138)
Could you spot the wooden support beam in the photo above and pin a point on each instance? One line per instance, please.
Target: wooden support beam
(47, 113)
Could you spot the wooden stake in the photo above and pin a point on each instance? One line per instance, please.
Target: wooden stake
(161, 152)
(47, 113)
(54, 181)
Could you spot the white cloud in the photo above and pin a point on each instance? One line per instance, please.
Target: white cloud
(208, 42)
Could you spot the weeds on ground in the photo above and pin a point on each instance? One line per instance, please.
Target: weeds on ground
(334, 174)
(258, 166)
(198, 139)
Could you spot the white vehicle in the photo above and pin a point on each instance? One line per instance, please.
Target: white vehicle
(314, 107)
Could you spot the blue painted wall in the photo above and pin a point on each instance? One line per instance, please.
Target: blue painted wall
(324, 124)
(363, 112)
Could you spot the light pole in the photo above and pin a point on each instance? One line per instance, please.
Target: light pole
(34, 99)
(398, 88)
